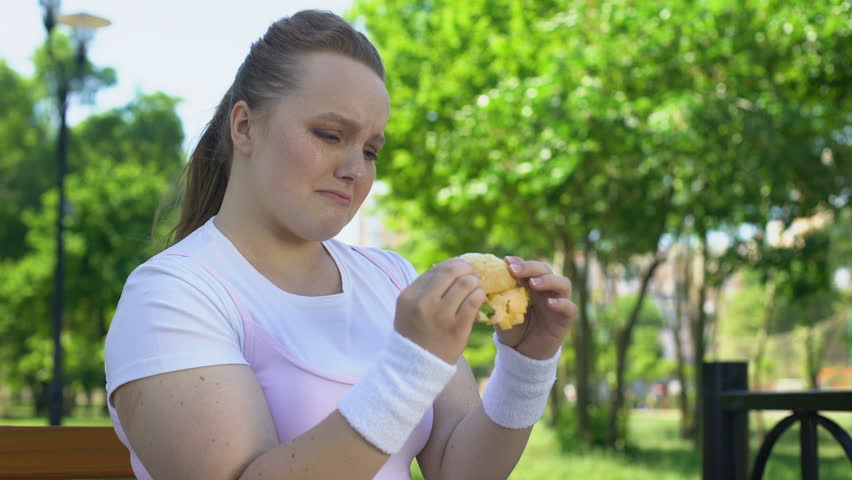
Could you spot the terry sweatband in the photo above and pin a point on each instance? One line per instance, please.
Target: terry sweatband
(391, 398)
(516, 394)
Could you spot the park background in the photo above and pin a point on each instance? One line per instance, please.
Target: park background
(686, 164)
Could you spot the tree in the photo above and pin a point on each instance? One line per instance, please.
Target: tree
(27, 129)
(24, 167)
(125, 160)
(603, 127)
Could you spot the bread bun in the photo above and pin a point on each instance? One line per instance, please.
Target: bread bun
(507, 299)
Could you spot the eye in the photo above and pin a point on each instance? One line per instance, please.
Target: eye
(370, 155)
(329, 137)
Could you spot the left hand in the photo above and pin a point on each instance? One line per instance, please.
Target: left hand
(550, 315)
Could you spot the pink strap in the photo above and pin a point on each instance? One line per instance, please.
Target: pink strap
(234, 296)
(378, 262)
(245, 316)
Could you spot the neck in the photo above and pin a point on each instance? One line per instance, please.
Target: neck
(296, 265)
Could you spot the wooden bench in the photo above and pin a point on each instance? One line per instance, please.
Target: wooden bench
(62, 453)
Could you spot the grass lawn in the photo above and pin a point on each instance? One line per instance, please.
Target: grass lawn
(658, 452)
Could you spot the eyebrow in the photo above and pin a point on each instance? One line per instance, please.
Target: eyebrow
(348, 123)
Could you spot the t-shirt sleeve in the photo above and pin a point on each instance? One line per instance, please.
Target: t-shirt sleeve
(170, 317)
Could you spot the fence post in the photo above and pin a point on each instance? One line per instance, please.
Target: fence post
(724, 455)
(808, 447)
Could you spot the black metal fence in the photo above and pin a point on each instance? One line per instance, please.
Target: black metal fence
(727, 402)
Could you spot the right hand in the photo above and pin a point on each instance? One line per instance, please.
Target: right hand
(438, 309)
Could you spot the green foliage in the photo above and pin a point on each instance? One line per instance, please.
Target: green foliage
(524, 127)
(741, 314)
(56, 63)
(645, 362)
(121, 164)
(25, 169)
(603, 108)
(108, 234)
(145, 131)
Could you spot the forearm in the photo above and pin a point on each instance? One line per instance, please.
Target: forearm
(482, 449)
(489, 440)
(332, 449)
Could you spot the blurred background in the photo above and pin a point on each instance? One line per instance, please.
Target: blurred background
(687, 164)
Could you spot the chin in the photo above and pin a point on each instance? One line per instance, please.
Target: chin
(321, 233)
(318, 229)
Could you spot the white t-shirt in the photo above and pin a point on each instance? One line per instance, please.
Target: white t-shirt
(173, 314)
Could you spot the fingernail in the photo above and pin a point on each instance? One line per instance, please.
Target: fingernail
(512, 259)
(535, 281)
(515, 268)
(552, 301)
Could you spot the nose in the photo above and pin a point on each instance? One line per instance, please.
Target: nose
(353, 167)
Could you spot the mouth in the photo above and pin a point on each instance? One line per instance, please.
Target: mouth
(336, 196)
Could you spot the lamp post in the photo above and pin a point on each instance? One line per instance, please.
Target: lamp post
(84, 26)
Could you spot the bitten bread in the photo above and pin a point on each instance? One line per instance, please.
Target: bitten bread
(507, 298)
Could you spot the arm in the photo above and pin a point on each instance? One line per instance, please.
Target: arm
(465, 442)
(213, 423)
(207, 417)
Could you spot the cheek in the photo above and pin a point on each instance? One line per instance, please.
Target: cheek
(362, 188)
(292, 159)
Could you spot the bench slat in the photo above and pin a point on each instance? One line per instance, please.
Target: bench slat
(62, 453)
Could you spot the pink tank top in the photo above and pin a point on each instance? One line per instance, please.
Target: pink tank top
(299, 396)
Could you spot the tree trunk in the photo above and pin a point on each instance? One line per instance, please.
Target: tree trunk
(814, 349)
(591, 341)
(681, 300)
(582, 338)
(41, 399)
(697, 332)
(556, 393)
(624, 337)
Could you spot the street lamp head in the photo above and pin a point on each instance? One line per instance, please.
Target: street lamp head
(83, 26)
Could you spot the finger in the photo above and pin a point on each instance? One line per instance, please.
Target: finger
(469, 308)
(458, 291)
(438, 279)
(528, 269)
(563, 306)
(557, 284)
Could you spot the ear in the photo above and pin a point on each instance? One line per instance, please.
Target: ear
(242, 120)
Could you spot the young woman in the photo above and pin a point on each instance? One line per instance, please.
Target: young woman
(258, 347)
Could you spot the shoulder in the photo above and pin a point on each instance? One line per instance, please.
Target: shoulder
(172, 315)
(174, 271)
(168, 273)
(367, 257)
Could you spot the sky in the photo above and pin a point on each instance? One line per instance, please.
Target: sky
(186, 48)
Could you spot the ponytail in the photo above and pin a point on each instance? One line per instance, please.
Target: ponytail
(207, 173)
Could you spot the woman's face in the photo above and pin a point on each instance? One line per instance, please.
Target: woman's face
(312, 161)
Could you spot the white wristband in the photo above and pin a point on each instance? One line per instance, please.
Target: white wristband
(517, 391)
(391, 398)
